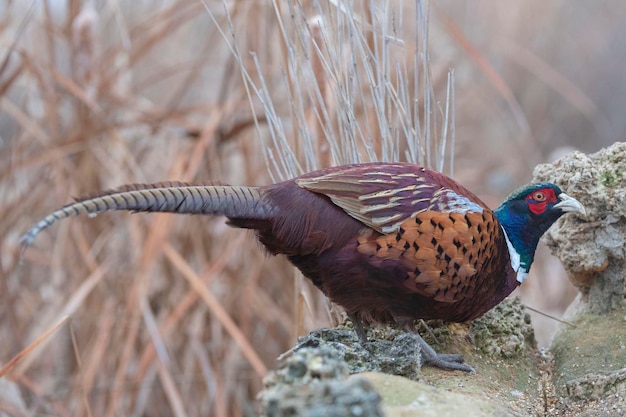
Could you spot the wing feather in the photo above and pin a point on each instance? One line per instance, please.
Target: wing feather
(383, 195)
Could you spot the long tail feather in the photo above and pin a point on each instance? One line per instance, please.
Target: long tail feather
(167, 197)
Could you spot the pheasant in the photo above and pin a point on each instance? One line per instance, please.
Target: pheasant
(389, 242)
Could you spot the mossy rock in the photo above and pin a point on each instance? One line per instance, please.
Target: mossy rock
(505, 331)
(590, 359)
(313, 382)
(389, 350)
(403, 398)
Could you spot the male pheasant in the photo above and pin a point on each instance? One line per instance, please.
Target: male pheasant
(389, 242)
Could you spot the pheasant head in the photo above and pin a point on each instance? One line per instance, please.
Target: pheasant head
(527, 214)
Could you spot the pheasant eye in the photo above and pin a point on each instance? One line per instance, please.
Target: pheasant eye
(539, 196)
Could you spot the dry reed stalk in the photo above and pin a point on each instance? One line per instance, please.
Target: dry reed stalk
(102, 106)
(39, 343)
(217, 310)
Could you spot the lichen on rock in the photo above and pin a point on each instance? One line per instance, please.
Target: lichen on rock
(506, 331)
(598, 386)
(389, 350)
(313, 382)
(593, 249)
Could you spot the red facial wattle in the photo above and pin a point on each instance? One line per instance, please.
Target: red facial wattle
(537, 207)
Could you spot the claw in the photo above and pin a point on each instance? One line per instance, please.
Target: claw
(452, 362)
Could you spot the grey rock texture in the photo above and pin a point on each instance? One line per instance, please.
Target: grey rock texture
(390, 351)
(593, 250)
(506, 331)
(312, 379)
(313, 382)
(589, 368)
(598, 386)
(329, 373)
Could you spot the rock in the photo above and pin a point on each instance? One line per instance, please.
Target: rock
(313, 382)
(589, 367)
(598, 386)
(404, 398)
(390, 350)
(592, 250)
(313, 376)
(590, 358)
(505, 331)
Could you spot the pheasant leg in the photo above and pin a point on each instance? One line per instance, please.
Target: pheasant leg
(451, 362)
(448, 361)
(359, 328)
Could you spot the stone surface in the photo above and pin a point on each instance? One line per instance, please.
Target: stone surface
(598, 386)
(505, 383)
(589, 367)
(390, 351)
(590, 359)
(404, 398)
(505, 331)
(592, 250)
(586, 378)
(312, 382)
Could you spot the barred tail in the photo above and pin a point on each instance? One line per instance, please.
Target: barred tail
(171, 197)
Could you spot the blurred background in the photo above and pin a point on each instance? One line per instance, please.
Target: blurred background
(177, 315)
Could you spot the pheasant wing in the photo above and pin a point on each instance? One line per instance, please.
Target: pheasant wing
(383, 196)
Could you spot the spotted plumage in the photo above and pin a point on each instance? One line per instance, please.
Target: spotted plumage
(389, 242)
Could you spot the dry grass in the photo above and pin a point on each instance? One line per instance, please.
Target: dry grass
(182, 315)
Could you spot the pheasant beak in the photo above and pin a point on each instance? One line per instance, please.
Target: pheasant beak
(568, 203)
